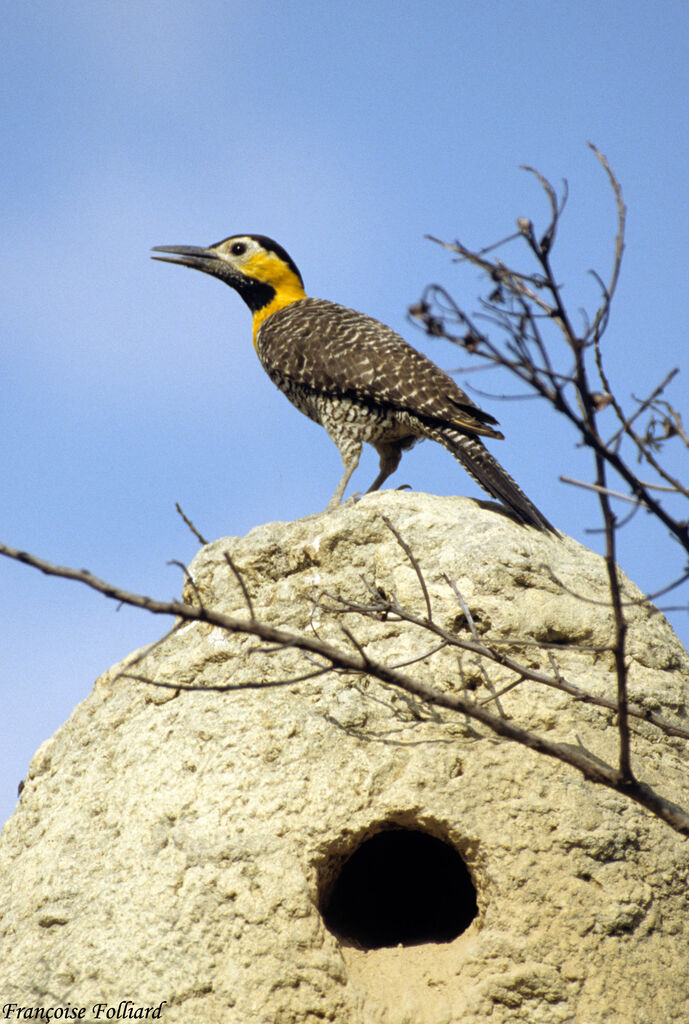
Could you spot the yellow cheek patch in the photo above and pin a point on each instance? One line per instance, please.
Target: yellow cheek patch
(268, 267)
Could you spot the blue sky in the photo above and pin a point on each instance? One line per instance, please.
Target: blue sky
(347, 131)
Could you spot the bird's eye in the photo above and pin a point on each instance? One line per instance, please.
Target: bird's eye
(238, 249)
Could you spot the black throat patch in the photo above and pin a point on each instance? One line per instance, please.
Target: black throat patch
(256, 294)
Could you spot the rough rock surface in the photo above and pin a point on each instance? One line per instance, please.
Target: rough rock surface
(176, 845)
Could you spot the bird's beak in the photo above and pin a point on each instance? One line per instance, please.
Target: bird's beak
(192, 256)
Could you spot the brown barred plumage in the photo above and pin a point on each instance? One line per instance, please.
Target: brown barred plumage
(352, 374)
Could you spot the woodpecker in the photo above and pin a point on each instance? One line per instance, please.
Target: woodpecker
(352, 374)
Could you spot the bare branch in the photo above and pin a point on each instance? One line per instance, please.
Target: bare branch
(188, 577)
(253, 684)
(202, 540)
(643, 405)
(600, 490)
(408, 552)
(602, 314)
(545, 379)
(592, 769)
(620, 626)
(490, 652)
(506, 689)
(240, 580)
(463, 605)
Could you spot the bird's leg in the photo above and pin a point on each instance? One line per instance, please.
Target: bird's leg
(350, 450)
(390, 455)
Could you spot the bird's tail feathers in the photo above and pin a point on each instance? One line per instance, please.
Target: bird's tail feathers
(489, 474)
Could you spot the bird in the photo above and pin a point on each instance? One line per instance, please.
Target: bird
(352, 374)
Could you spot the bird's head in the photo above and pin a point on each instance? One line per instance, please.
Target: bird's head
(256, 267)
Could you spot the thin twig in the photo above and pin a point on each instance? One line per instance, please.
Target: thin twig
(240, 580)
(643, 405)
(620, 625)
(464, 606)
(505, 689)
(421, 657)
(600, 490)
(191, 526)
(410, 555)
(188, 577)
(601, 317)
(150, 648)
(254, 684)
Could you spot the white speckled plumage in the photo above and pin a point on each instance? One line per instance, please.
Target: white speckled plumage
(362, 382)
(352, 374)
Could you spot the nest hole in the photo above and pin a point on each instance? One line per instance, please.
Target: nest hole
(400, 887)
